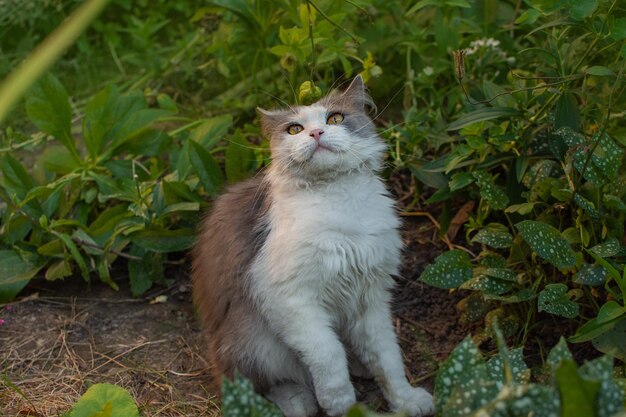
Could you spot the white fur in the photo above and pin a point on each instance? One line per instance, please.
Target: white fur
(322, 277)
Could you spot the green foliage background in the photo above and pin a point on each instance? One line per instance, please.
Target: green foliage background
(515, 105)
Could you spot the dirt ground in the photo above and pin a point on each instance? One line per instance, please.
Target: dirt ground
(59, 338)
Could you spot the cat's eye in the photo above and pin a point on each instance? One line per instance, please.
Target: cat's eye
(294, 129)
(335, 119)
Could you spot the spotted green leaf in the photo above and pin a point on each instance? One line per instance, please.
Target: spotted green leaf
(608, 248)
(487, 284)
(523, 400)
(553, 299)
(496, 238)
(472, 308)
(547, 242)
(456, 369)
(490, 192)
(592, 275)
(587, 206)
(518, 369)
(240, 400)
(450, 270)
(605, 161)
(614, 202)
(610, 398)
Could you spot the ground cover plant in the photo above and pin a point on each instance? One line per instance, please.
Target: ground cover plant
(505, 124)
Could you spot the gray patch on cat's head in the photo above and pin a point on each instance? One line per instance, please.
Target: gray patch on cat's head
(352, 103)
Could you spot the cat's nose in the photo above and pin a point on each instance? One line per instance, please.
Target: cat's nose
(316, 133)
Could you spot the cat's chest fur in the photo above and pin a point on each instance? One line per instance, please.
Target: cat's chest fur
(335, 237)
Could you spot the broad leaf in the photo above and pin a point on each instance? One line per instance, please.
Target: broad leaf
(450, 270)
(211, 131)
(489, 191)
(547, 242)
(608, 248)
(163, 240)
(593, 275)
(553, 299)
(48, 107)
(480, 115)
(206, 167)
(105, 400)
(456, 369)
(15, 273)
(240, 400)
(498, 238)
(578, 396)
(240, 158)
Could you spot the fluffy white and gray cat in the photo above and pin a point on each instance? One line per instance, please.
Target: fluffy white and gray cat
(292, 269)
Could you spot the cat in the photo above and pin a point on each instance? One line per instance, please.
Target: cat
(292, 269)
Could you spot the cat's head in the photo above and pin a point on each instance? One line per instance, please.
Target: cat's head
(327, 138)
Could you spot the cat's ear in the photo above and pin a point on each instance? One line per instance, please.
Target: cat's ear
(268, 120)
(355, 94)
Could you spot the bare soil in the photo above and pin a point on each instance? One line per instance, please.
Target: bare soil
(61, 337)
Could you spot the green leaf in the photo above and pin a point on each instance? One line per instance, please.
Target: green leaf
(613, 341)
(610, 400)
(587, 206)
(492, 193)
(523, 208)
(560, 352)
(614, 202)
(78, 257)
(618, 31)
(48, 107)
(581, 9)
(450, 270)
(567, 112)
(522, 401)
(592, 275)
(211, 131)
(592, 330)
(17, 182)
(554, 300)
(240, 158)
(15, 273)
(145, 272)
(517, 367)
(605, 161)
(599, 71)
(455, 370)
(109, 117)
(164, 240)
(578, 396)
(610, 311)
(105, 400)
(206, 167)
(480, 115)
(240, 400)
(498, 238)
(487, 284)
(547, 242)
(460, 180)
(58, 159)
(136, 123)
(608, 248)
(58, 270)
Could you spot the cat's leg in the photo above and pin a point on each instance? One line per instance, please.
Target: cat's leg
(307, 329)
(374, 341)
(294, 400)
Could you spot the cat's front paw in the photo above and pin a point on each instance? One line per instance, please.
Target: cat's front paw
(337, 401)
(415, 401)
